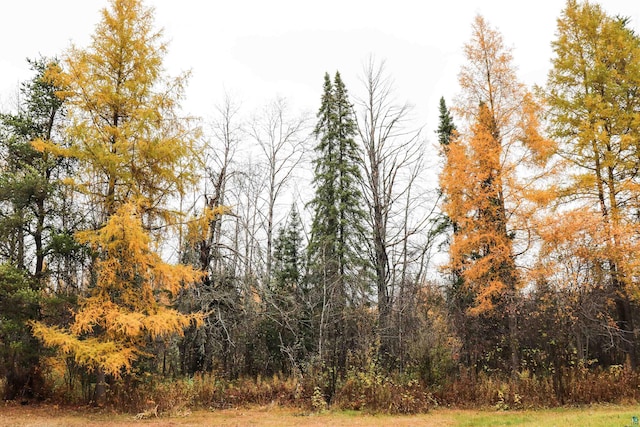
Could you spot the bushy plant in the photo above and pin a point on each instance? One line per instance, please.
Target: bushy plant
(20, 303)
(581, 385)
(369, 388)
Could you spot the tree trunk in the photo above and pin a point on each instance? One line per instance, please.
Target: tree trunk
(37, 237)
(626, 325)
(513, 337)
(384, 309)
(100, 392)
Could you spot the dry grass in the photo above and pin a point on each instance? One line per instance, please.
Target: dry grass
(52, 416)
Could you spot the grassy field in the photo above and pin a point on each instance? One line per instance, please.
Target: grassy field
(596, 416)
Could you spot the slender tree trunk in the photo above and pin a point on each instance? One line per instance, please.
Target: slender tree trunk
(37, 237)
(100, 392)
(381, 261)
(269, 262)
(19, 257)
(513, 336)
(625, 321)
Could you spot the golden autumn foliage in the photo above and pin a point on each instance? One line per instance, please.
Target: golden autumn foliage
(594, 115)
(125, 129)
(129, 303)
(134, 154)
(490, 172)
(489, 169)
(472, 181)
(199, 227)
(543, 252)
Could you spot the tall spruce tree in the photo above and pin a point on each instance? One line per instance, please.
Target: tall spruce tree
(337, 230)
(286, 333)
(446, 127)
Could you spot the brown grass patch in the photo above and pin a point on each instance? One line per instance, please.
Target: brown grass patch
(53, 416)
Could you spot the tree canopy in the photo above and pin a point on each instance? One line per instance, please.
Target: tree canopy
(146, 255)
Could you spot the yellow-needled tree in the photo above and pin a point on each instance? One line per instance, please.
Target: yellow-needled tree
(133, 152)
(129, 302)
(594, 113)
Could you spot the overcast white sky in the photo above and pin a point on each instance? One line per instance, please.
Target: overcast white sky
(257, 49)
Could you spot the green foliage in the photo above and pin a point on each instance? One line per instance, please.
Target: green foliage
(337, 230)
(446, 127)
(337, 267)
(30, 196)
(20, 302)
(283, 327)
(287, 254)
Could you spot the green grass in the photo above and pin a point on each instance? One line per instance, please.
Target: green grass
(595, 416)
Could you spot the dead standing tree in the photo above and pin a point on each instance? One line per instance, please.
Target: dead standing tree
(390, 151)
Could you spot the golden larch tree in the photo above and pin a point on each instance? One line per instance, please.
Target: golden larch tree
(134, 154)
(483, 182)
(594, 115)
(128, 304)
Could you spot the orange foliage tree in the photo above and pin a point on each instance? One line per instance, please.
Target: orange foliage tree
(488, 168)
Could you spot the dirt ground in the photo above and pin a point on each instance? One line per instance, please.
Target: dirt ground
(53, 416)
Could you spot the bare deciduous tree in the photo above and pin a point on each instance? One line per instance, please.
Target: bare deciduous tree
(391, 149)
(281, 137)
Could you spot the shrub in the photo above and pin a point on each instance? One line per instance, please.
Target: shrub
(371, 390)
(581, 385)
(365, 387)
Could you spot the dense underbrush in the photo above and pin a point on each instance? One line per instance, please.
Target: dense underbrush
(574, 387)
(365, 389)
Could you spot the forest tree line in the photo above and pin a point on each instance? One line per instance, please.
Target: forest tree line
(136, 241)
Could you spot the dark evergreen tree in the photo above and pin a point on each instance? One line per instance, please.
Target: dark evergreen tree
(337, 231)
(336, 260)
(446, 133)
(33, 227)
(19, 350)
(446, 127)
(288, 254)
(286, 332)
(29, 179)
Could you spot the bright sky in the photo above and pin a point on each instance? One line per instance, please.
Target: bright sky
(258, 49)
